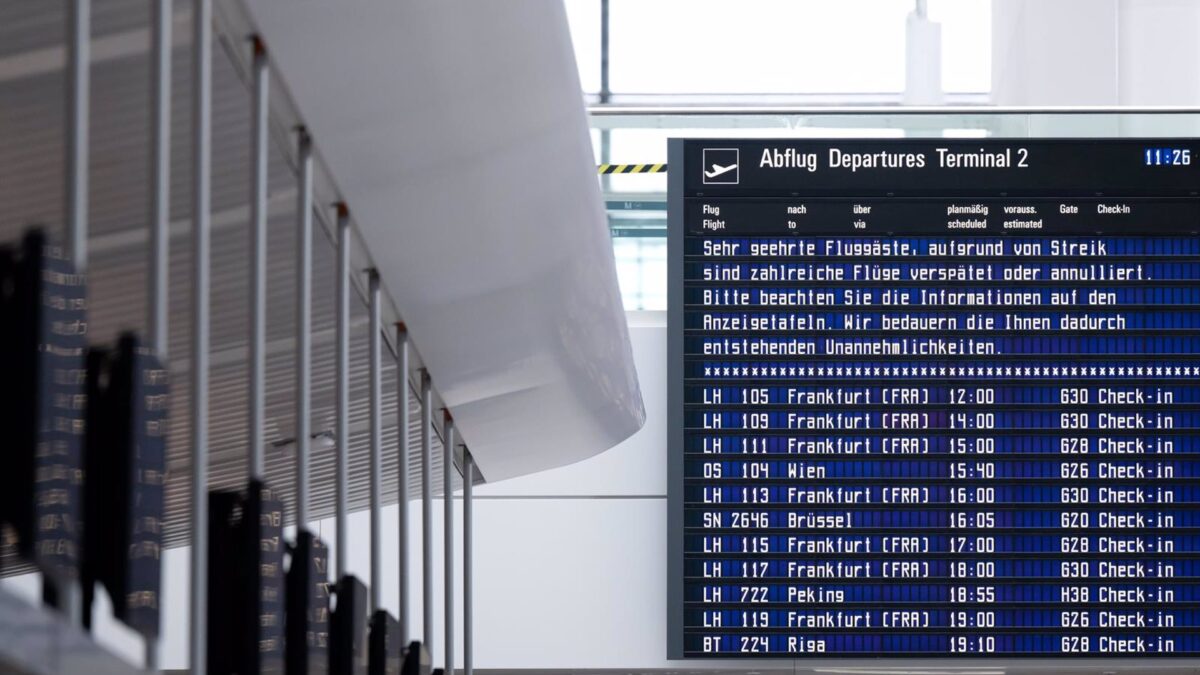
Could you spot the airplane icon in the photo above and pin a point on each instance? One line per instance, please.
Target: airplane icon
(722, 166)
(717, 170)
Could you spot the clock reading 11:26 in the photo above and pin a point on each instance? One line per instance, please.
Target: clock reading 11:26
(1167, 156)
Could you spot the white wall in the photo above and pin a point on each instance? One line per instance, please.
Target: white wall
(1054, 52)
(1095, 52)
(1159, 52)
(572, 562)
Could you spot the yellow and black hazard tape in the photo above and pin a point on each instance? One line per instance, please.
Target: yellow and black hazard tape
(631, 168)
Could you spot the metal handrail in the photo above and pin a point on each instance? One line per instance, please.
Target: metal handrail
(609, 110)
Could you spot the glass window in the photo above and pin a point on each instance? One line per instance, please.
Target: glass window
(642, 271)
(583, 17)
(774, 47)
(759, 46)
(966, 44)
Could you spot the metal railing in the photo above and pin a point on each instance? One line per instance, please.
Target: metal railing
(275, 118)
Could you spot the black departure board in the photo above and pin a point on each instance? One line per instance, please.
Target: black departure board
(934, 398)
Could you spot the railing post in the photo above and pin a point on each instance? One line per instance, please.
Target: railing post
(79, 43)
(160, 204)
(342, 425)
(448, 528)
(201, 185)
(258, 259)
(160, 178)
(66, 592)
(468, 554)
(427, 508)
(402, 492)
(376, 446)
(303, 324)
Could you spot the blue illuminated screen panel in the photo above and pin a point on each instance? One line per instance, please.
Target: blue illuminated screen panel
(934, 398)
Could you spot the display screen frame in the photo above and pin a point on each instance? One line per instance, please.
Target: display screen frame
(685, 181)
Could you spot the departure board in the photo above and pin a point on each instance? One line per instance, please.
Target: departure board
(934, 398)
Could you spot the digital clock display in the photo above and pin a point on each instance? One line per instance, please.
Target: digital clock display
(1167, 156)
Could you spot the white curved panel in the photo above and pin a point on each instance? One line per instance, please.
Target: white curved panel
(456, 133)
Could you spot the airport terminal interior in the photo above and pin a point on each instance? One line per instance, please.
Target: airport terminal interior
(600, 337)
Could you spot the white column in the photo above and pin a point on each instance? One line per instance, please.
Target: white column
(922, 58)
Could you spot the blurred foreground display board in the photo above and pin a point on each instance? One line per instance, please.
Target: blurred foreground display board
(416, 660)
(245, 581)
(42, 344)
(934, 398)
(385, 653)
(348, 646)
(307, 607)
(127, 392)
